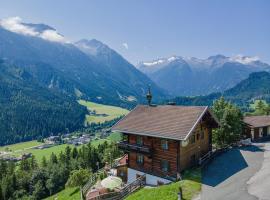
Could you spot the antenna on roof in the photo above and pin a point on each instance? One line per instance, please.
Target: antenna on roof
(149, 95)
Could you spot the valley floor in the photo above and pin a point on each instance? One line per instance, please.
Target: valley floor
(18, 149)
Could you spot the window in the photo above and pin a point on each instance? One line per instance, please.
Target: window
(140, 159)
(202, 135)
(165, 165)
(192, 139)
(193, 160)
(198, 136)
(139, 140)
(164, 144)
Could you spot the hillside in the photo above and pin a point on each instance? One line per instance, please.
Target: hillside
(256, 86)
(99, 113)
(29, 110)
(59, 64)
(187, 76)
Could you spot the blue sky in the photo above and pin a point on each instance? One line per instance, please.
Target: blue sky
(146, 30)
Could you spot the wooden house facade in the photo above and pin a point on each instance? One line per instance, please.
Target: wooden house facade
(162, 141)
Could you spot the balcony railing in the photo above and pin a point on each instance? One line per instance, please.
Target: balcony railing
(134, 147)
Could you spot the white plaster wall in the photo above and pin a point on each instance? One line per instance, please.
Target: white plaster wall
(252, 134)
(150, 179)
(260, 132)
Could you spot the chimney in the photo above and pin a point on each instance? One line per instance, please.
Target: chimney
(149, 96)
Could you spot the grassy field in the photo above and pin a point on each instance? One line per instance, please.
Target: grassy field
(39, 153)
(110, 112)
(67, 194)
(25, 147)
(113, 137)
(20, 146)
(191, 186)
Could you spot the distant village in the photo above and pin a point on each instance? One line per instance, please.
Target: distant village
(75, 139)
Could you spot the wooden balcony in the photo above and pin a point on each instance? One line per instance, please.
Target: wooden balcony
(134, 147)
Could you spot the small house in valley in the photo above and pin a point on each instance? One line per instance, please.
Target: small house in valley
(162, 141)
(257, 127)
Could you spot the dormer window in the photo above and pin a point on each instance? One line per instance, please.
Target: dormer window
(139, 140)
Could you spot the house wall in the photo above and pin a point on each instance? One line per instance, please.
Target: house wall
(199, 148)
(152, 163)
(256, 133)
(179, 157)
(150, 179)
(122, 171)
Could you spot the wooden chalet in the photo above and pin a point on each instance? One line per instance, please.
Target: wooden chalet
(257, 127)
(162, 141)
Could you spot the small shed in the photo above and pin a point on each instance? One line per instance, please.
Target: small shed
(257, 127)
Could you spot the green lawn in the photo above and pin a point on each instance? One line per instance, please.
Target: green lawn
(111, 112)
(191, 186)
(67, 194)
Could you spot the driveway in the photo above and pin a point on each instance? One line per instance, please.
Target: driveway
(230, 176)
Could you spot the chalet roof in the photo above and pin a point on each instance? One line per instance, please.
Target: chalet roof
(168, 121)
(258, 121)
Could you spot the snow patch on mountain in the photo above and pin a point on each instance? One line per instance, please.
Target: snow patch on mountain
(154, 62)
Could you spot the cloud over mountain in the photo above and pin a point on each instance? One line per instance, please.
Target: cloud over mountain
(16, 25)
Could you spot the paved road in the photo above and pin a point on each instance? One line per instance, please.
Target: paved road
(259, 184)
(227, 175)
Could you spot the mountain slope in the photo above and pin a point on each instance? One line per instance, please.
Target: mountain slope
(256, 86)
(193, 76)
(29, 110)
(118, 68)
(70, 70)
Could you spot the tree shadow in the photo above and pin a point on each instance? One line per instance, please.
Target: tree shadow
(224, 166)
(74, 191)
(252, 148)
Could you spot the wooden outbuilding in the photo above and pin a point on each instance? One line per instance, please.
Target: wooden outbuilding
(257, 127)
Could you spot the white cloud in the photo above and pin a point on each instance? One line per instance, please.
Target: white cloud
(52, 35)
(15, 24)
(125, 45)
(244, 59)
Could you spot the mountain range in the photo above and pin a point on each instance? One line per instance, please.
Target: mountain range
(256, 86)
(42, 75)
(189, 76)
(101, 75)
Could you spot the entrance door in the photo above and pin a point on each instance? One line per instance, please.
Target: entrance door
(264, 131)
(256, 133)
